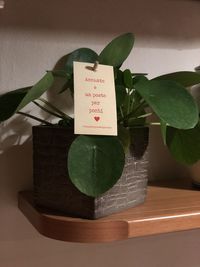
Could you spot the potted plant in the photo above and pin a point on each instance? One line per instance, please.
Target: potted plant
(194, 169)
(92, 176)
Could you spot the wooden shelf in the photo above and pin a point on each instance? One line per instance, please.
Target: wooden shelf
(167, 209)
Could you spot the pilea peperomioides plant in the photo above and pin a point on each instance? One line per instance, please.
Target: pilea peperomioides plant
(95, 163)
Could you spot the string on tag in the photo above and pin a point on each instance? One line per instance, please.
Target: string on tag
(95, 65)
(94, 68)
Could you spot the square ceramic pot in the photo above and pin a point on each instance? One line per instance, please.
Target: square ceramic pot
(54, 190)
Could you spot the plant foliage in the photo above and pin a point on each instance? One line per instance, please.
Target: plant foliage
(89, 163)
(95, 163)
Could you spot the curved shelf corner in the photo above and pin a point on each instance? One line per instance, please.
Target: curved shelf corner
(167, 209)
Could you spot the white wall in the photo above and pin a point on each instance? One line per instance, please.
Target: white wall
(33, 36)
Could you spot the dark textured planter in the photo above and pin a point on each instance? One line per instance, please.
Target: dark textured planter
(53, 188)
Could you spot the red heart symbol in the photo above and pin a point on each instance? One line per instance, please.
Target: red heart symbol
(97, 118)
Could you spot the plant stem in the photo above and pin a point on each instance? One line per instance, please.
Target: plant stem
(132, 102)
(144, 115)
(121, 111)
(155, 123)
(139, 106)
(55, 108)
(133, 112)
(34, 118)
(47, 110)
(129, 99)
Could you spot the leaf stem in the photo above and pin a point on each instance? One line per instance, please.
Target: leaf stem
(133, 101)
(55, 108)
(133, 112)
(121, 111)
(47, 110)
(139, 106)
(155, 123)
(144, 115)
(129, 100)
(34, 118)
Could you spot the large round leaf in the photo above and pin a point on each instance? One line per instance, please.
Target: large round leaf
(116, 52)
(184, 145)
(80, 55)
(171, 102)
(95, 163)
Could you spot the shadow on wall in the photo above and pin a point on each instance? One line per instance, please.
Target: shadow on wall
(16, 143)
(15, 158)
(161, 164)
(172, 19)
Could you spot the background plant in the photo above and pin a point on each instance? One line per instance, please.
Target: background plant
(138, 98)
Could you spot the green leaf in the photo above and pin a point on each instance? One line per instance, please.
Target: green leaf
(184, 145)
(116, 52)
(69, 84)
(128, 80)
(138, 118)
(66, 123)
(120, 94)
(171, 102)
(10, 101)
(95, 163)
(80, 55)
(37, 90)
(119, 77)
(185, 78)
(139, 79)
(124, 137)
(61, 73)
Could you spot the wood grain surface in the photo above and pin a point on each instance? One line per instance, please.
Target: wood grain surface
(168, 208)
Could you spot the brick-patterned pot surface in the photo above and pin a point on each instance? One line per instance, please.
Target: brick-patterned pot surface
(53, 188)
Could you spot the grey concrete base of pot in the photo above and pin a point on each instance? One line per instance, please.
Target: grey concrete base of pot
(54, 190)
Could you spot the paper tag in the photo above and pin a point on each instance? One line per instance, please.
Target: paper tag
(94, 100)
